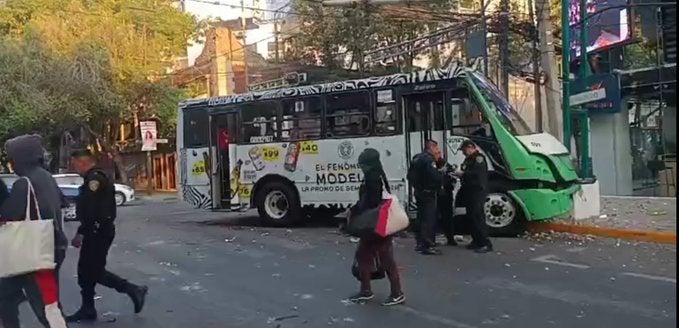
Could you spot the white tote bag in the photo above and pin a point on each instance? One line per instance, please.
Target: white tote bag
(392, 217)
(28, 245)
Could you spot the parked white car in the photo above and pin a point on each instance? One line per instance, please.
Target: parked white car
(124, 194)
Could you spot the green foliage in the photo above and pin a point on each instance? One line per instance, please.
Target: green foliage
(339, 37)
(90, 63)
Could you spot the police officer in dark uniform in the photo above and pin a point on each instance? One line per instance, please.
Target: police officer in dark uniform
(426, 179)
(445, 201)
(96, 211)
(474, 189)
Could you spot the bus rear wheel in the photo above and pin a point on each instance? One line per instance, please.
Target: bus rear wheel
(503, 216)
(278, 205)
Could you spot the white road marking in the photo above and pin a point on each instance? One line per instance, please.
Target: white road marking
(553, 259)
(573, 297)
(433, 317)
(650, 277)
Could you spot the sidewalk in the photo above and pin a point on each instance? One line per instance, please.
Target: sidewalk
(634, 218)
(158, 196)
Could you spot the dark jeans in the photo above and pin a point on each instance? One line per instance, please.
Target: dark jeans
(35, 287)
(92, 266)
(427, 214)
(39, 288)
(445, 211)
(382, 248)
(475, 201)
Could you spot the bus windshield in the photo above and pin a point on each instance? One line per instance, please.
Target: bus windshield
(508, 116)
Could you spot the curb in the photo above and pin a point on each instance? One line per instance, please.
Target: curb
(639, 235)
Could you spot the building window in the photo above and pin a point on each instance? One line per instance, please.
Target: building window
(259, 122)
(348, 115)
(301, 119)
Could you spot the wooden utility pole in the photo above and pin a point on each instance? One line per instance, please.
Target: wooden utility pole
(550, 71)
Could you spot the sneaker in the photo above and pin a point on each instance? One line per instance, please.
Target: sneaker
(83, 315)
(484, 249)
(394, 300)
(362, 297)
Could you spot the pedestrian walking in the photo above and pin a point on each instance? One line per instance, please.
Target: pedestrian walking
(27, 158)
(96, 210)
(474, 173)
(426, 179)
(373, 246)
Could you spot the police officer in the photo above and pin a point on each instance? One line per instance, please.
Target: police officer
(475, 188)
(96, 210)
(445, 201)
(426, 179)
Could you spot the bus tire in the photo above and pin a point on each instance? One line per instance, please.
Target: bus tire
(504, 217)
(278, 205)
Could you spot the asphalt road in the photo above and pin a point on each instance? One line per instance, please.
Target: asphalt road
(208, 269)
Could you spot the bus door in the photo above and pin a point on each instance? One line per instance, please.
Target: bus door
(225, 187)
(424, 120)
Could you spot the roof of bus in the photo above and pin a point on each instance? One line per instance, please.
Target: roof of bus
(455, 69)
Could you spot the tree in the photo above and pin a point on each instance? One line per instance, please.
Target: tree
(340, 37)
(130, 44)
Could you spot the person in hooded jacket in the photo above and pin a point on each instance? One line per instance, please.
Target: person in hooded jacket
(374, 246)
(27, 157)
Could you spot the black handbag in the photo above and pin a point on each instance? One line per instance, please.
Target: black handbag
(363, 224)
(377, 273)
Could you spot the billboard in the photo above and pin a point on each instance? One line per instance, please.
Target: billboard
(606, 29)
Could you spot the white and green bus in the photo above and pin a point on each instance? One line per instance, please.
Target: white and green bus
(292, 151)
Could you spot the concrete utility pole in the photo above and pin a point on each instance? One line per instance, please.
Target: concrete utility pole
(504, 47)
(549, 68)
(535, 58)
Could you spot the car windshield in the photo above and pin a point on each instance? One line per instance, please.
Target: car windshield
(508, 116)
(69, 180)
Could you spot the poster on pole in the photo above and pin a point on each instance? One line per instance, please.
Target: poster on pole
(149, 134)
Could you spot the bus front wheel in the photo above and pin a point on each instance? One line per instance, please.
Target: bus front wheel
(503, 215)
(278, 205)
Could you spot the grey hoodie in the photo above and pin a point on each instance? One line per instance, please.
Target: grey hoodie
(27, 156)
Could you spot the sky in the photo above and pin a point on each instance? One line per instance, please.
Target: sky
(203, 10)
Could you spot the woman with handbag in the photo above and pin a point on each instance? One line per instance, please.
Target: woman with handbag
(372, 246)
(33, 247)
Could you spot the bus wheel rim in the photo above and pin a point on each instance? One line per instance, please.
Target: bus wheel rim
(499, 210)
(276, 205)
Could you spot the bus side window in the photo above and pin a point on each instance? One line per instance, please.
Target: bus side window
(301, 119)
(259, 122)
(386, 113)
(196, 128)
(348, 114)
(467, 117)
